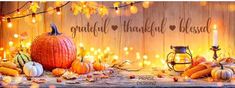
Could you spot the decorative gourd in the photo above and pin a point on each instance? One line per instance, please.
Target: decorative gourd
(197, 60)
(221, 73)
(8, 64)
(53, 50)
(80, 67)
(98, 66)
(33, 69)
(9, 71)
(21, 58)
(58, 71)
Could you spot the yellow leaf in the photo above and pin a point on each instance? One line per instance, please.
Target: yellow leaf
(116, 4)
(76, 9)
(34, 6)
(103, 11)
(58, 3)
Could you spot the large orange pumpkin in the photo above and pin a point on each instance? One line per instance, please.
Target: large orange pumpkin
(80, 67)
(53, 50)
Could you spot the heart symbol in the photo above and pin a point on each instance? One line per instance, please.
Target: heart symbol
(114, 27)
(172, 27)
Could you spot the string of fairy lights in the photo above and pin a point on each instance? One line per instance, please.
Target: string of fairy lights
(86, 8)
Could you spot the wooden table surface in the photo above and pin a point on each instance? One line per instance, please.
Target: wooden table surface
(119, 79)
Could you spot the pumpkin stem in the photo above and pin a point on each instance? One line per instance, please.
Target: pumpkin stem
(99, 61)
(82, 59)
(19, 52)
(221, 66)
(54, 30)
(33, 63)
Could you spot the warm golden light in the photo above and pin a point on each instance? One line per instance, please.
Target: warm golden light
(117, 11)
(116, 4)
(203, 3)
(107, 50)
(92, 49)
(81, 45)
(125, 48)
(16, 36)
(1, 49)
(28, 44)
(231, 7)
(133, 9)
(99, 50)
(138, 55)
(145, 57)
(9, 24)
(58, 11)
(33, 18)
(214, 27)
(18, 11)
(4, 55)
(10, 43)
(146, 4)
(157, 56)
(115, 57)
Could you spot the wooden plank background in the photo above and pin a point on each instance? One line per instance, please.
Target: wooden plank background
(221, 13)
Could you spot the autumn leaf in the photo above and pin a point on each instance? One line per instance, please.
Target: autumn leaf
(34, 7)
(76, 9)
(103, 11)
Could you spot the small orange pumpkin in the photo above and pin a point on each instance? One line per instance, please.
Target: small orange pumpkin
(98, 66)
(58, 71)
(80, 67)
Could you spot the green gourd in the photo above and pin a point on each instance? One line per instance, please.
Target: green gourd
(21, 58)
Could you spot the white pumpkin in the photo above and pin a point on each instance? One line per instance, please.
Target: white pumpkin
(222, 73)
(33, 69)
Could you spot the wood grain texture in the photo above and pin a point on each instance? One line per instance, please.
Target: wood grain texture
(141, 42)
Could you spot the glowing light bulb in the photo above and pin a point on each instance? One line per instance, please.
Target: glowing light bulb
(16, 36)
(115, 57)
(99, 50)
(126, 49)
(9, 24)
(117, 10)
(81, 45)
(84, 6)
(1, 49)
(34, 18)
(18, 11)
(157, 56)
(133, 9)
(107, 49)
(214, 26)
(58, 11)
(138, 55)
(92, 49)
(145, 57)
(146, 4)
(10, 43)
(28, 44)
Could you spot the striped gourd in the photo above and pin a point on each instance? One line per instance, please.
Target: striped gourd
(21, 58)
